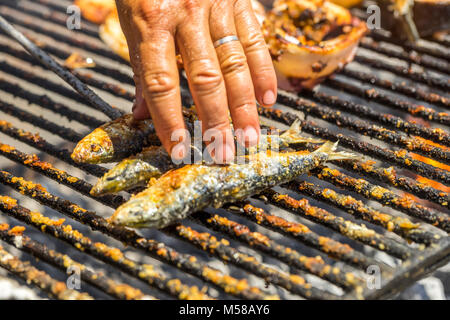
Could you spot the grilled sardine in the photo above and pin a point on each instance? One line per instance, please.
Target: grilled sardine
(183, 191)
(118, 139)
(152, 162)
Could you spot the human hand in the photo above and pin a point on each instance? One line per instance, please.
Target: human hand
(231, 76)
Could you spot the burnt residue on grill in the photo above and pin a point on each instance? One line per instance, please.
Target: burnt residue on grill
(159, 250)
(15, 237)
(39, 278)
(408, 143)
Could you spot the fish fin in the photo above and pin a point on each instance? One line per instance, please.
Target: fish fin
(292, 135)
(330, 149)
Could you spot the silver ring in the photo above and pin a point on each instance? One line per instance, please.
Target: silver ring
(225, 40)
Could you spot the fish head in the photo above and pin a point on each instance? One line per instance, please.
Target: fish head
(136, 214)
(96, 147)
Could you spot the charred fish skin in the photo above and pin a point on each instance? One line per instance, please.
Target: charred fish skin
(194, 187)
(120, 138)
(152, 162)
(135, 171)
(114, 140)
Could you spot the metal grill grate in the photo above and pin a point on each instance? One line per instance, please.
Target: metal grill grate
(312, 238)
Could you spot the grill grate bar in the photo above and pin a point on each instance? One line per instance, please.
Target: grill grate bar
(400, 87)
(302, 233)
(405, 72)
(64, 262)
(399, 158)
(385, 197)
(107, 254)
(386, 119)
(345, 227)
(375, 95)
(412, 57)
(364, 128)
(64, 132)
(47, 103)
(39, 278)
(313, 265)
(222, 250)
(36, 80)
(388, 175)
(47, 169)
(157, 250)
(400, 226)
(36, 141)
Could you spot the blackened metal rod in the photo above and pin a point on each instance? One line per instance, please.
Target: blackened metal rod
(405, 72)
(33, 162)
(402, 226)
(47, 103)
(36, 141)
(389, 175)
(63, 262)
(384, 196)
(65, 74)
(110, 255)
(413, 57)
(345, 227)
(367, 129)
(259, 241)
(158, 250)
(366, 112)
(222, 249)
(373, 94)
(39, 278)
(399, 158)
(64, 132)
(302, 233)
(400, 87)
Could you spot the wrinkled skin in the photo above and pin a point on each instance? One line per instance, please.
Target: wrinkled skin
(231, 77)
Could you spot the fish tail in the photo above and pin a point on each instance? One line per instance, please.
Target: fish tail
(330, 149)
(292, 135)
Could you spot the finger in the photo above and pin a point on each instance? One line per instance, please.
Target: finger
(160, 88)
(139, 108)
(206, 81)
(238, 81)
(255, 48)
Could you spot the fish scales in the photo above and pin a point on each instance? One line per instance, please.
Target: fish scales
(191, 188)
(152, 162)
(120, 138)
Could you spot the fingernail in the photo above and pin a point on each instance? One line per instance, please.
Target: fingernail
(134, 105)
(247, 137)
(269, 97)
